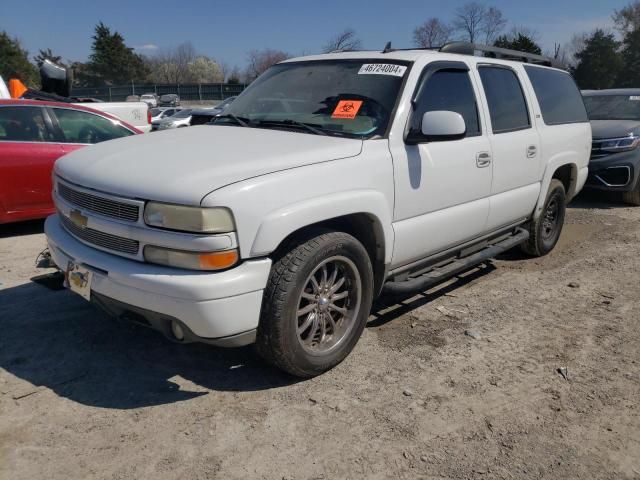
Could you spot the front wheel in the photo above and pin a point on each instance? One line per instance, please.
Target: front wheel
(632, 197)
(544, 232)
(316, 304)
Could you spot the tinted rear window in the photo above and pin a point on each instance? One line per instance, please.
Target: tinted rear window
(507, 106)
(558, 96)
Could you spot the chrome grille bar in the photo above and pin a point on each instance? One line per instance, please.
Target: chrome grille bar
(102, 239)
(100, 205)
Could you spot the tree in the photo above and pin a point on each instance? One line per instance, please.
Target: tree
(599, 62)
(172, 65)
(235, 76)
(345, 40)
(111, 61)
(14, 61)
(475, 21)
(520, 42)
(627, 18)
(261, 60)
(46, 55)
(492, 24)
(432, 33)
(205, 70)
(630, 75)
(468, 20)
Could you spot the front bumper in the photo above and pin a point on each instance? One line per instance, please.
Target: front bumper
(221, 308)
(617, 172)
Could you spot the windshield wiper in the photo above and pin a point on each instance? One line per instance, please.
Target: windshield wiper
(244, 122)
(289, 123)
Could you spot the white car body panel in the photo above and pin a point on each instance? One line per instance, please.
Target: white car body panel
(421, 199)
(134, 113)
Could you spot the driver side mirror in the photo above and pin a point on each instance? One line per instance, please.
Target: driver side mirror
(438, 125)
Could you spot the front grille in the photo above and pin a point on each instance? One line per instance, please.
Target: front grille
(103, 206)
(101, 239)
(596, 149)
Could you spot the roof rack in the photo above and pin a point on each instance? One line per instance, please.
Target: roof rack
(467, 48)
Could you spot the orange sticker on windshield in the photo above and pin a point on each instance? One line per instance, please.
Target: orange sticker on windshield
(347, 109)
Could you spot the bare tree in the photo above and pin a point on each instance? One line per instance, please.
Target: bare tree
(477, 22)
(469, 19)
(432, 33)
(261, 60)
(492, 24)
(345, 40)
(172, 65)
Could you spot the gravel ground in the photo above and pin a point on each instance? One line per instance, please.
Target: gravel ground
(525, 368)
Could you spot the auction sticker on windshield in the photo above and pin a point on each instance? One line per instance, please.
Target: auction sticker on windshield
(382, 69)
(347, 109)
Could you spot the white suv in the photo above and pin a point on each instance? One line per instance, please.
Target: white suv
(331, 179)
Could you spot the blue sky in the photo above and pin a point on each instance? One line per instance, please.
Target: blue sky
(228, 30)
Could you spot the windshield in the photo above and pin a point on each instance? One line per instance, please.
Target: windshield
(613, 107)
(352, 98)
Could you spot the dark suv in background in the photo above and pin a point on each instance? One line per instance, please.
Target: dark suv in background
(615, 156)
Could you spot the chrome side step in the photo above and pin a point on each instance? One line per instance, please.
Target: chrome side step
(456, 266)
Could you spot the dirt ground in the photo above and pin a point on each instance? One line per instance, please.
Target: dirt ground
(82, 396)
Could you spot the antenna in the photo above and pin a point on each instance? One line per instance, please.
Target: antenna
(387, 48)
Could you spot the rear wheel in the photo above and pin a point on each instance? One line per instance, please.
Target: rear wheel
(545, 231)
(316, 304)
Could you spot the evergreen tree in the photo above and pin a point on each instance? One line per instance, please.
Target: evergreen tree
(112, 62)
(630, 75)
(599, 62)
(520, 42)
(46, 55)
(14, 62)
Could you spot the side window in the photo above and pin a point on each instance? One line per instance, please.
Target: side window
(559, 98)
(507, 106)
(84, 127)
(23, 124)
(449, 90)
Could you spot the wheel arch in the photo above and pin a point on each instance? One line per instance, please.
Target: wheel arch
(567, 173)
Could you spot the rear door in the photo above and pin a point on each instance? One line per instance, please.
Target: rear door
(515, 145)
(28, 149)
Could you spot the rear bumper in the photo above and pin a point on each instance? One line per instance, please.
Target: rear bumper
(215, 307)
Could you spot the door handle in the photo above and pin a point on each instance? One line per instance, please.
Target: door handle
(483, 159)
(532, 151)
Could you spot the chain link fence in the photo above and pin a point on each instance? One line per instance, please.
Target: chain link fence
(187, 91)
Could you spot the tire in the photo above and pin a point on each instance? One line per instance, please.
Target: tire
(545, 231)
(282, 338)
(632, 197)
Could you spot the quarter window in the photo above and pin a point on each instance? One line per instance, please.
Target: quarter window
(559, 98)
(507, 105)
(84, 127)
(23, 124)
(449, 90)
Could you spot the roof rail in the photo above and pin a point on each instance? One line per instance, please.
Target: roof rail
(467, 48)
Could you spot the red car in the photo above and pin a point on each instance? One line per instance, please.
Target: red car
(33, 135)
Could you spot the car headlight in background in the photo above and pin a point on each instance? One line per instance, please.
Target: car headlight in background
(191, 260)
(619, 144)
(189, 219)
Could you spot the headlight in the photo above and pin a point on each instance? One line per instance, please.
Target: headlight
(189, 219)
(191, 260)
(620, 144)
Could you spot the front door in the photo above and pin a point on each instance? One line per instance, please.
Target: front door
(442, 187)
(27, 153)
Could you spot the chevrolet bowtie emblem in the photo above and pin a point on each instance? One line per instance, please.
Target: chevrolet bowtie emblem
(78, 219)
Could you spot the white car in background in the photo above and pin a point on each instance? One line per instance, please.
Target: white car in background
(160, 113)
(150, 99)
(180, 119)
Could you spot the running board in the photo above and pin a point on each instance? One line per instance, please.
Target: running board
(440, 274)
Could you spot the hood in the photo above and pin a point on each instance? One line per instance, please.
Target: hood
(614, 128)
(183, 165)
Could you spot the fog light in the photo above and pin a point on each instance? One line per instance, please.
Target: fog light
(177, 330)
